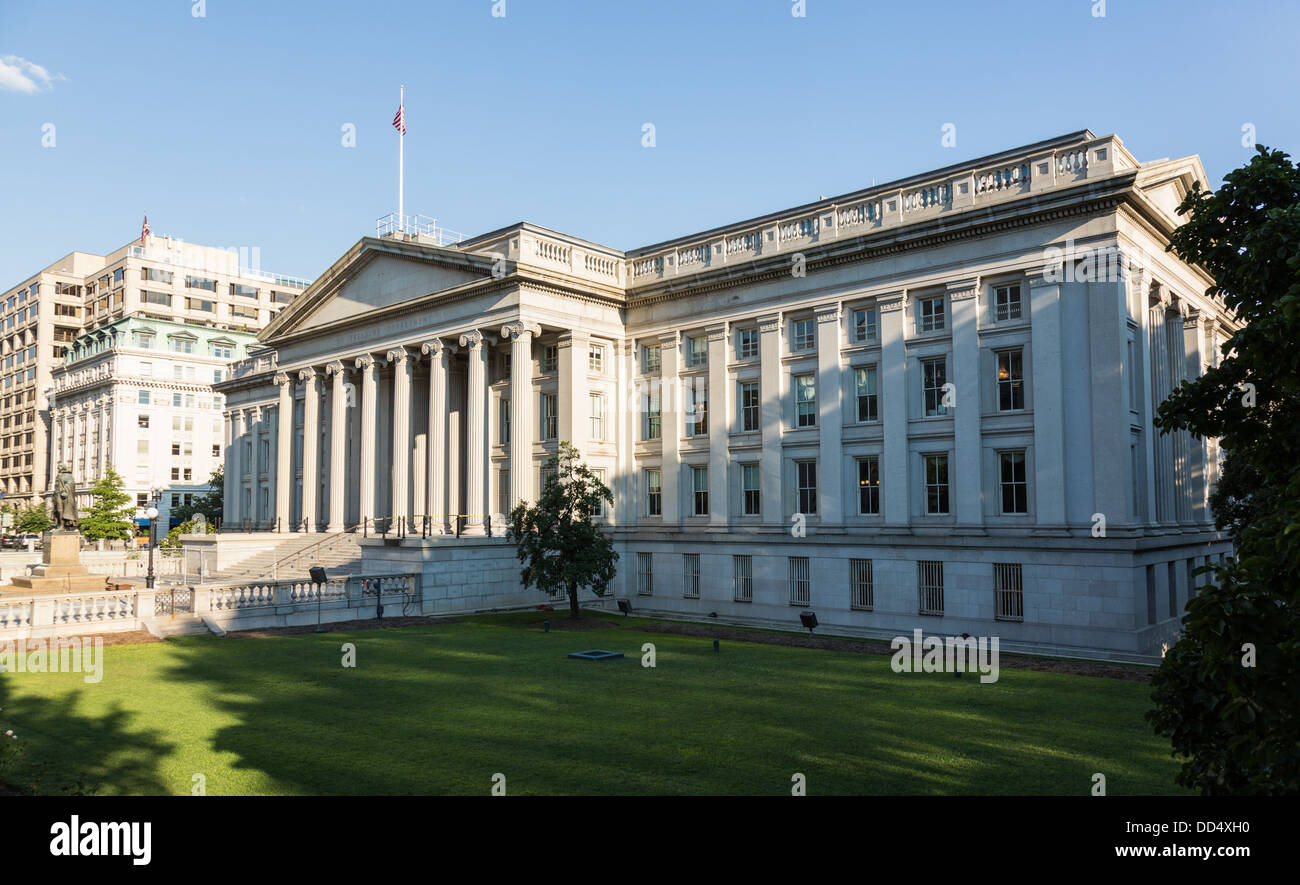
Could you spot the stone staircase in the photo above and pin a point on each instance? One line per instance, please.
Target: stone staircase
(290, 560)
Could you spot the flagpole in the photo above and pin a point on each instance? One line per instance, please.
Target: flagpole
(401, 159)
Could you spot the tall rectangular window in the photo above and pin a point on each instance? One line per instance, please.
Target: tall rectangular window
(934, 375)
(864, 325)
(864, 382)
(805, 400)
(653, 492)
(651, 417)
(697, 351)
(1006, 302)
(550, 358)
(651, 356)
(929, 583)
(807, 485)
(645, 576)
(861, 589)
(743, 568)
(697, 408)
(597, 402)
(1014, 486)
(800, 581)
(931, 317)
(503, 491)
(936, 484)
(691, 575)
(869, 486)
(700, 490)
(1008, 591)
(596, 359)
(803, 335)
(503, 420)
(550, 416)
(749, 406)
(1011, 380)
(1151, 594)
(746, 344)
(1173, 589)
(749, 490)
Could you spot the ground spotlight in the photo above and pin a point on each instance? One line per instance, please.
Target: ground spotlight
(809, 620)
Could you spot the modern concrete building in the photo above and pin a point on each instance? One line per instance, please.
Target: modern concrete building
(137, 394)
(159, 276)
(927, 403)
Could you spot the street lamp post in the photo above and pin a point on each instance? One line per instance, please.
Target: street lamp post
(152, 513)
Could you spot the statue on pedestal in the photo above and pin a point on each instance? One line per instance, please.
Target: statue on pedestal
(65, 501)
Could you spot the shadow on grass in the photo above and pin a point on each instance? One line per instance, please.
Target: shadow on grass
(67, 749)
(442, 709)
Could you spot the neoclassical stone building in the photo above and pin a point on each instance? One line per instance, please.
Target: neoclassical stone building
(928, 403)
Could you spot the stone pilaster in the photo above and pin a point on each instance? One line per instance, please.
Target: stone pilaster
(719, 414)
(1049, 405)
(369, 393)
(895, 461)
(400, 359)
(283, 453)
(436, 507)
(338, 445)
(830, 417)
(963, 298)
(771, 391)
(670, 426)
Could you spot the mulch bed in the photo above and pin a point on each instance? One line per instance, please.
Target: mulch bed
(339, 627)
(1075, 668)
(571, 624)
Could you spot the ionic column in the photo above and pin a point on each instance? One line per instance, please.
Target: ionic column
(338, 445)
(283, 454)
(260, 515)
(310, 446)
(436, 506)
(401, 466)
(369, 391)
(521, 412)
(100, 467)
(476, 459)
(234, 491)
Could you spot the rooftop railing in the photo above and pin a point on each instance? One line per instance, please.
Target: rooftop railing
(419, 227)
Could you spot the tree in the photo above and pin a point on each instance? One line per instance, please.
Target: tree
(1228, 693)
(35, 519)
(110, 514)
(210, 505)
(556, 540)
(173, 539)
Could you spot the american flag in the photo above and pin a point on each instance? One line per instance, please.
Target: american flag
(399, 121)
(144, 228)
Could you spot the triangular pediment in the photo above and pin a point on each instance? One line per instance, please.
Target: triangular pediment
(373, 276)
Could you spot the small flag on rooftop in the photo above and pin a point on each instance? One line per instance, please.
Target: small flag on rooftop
(144, 228)
(399, 121)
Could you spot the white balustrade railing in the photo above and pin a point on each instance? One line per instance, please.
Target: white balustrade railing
(958, 191)
(94, 608)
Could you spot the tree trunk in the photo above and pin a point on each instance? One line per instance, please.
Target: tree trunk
(573, 602)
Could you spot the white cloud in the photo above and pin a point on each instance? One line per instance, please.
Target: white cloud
(20, 75)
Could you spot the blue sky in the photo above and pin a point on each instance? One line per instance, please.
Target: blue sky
(227, 128)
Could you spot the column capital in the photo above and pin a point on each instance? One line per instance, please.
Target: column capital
(769, 323)
(335, 367)
(282, 378)
(718, 331)
(827, 313)
(435, 346)
(397, 355)
(306, 374)
(517, 328)
(670, 339)
(892, 301)
(1158, 295)
(475, 338)
(960, 290)
(364, 361)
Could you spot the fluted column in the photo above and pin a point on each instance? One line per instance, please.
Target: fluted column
(436, 506)
(283, 454)
(476, 433)
(310, 447)
(234, 491)
(521, 412)
(402, 448)
(261, 515)
(100, 467)
(338, 445)
(369, 390)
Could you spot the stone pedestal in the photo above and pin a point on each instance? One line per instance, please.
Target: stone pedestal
(60, 570)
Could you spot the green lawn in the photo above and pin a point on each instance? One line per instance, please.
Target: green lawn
(442, 708)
